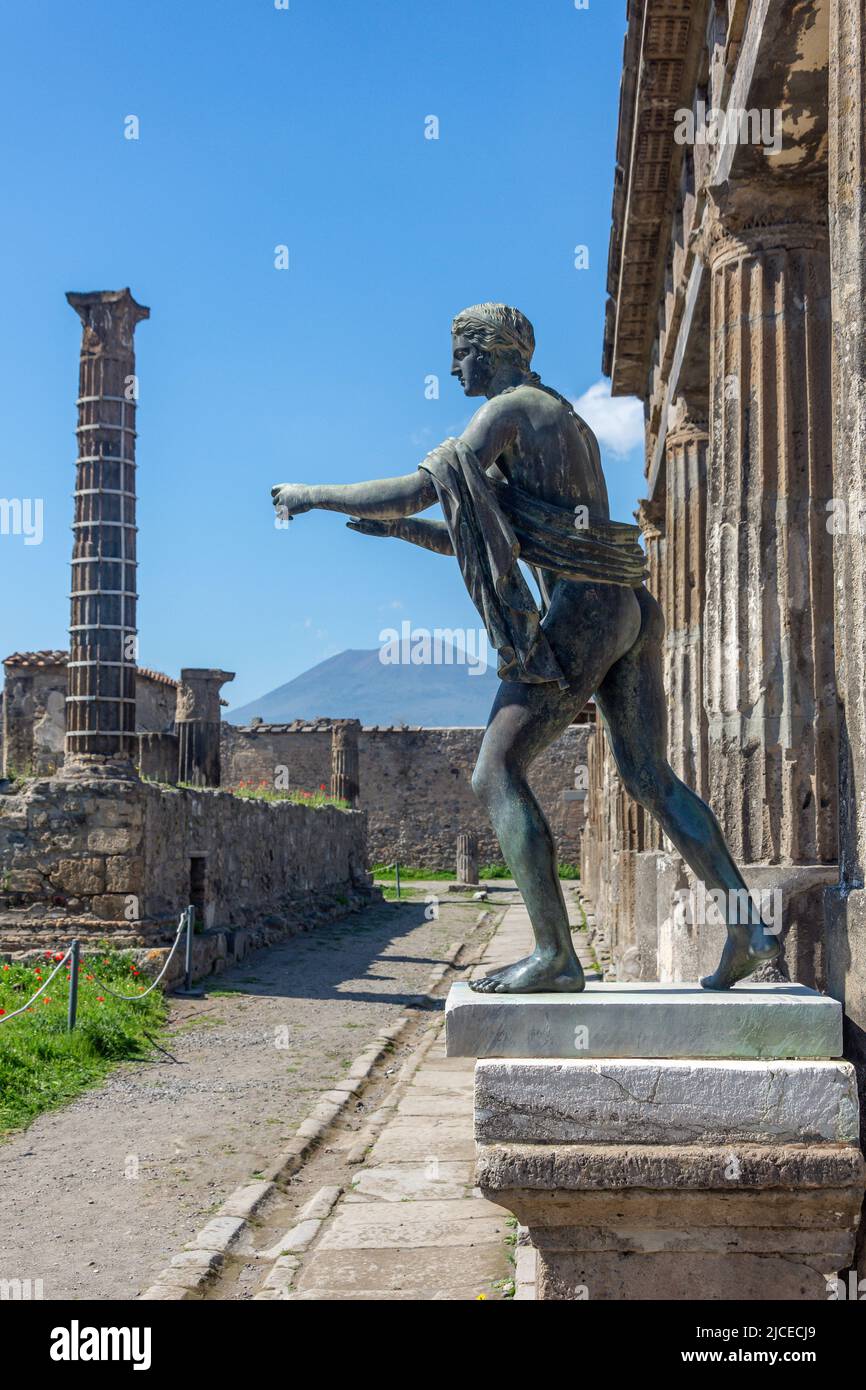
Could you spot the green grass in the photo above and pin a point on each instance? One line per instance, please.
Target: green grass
(569, 870)
(41, 1064)
(385, 872)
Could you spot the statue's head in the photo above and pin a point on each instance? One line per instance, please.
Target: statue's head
(486, 338)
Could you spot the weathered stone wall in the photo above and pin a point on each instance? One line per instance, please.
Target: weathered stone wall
(34, 721)
(260, 857)
(34, 715)
(154, 705)
(415, 785)
(257, 754)
(105, 853)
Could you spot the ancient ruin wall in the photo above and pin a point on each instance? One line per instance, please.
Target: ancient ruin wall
(259, 857)
(113, 857)
(415, 785)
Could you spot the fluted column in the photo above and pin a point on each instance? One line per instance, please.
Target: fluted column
(467, 858)
(345, 766)
(684, 593)
(848, 522)
(846, 933)
(650, 517)
(768, 653)
(100, 704)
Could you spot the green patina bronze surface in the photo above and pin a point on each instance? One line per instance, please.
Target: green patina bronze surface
(524, 481)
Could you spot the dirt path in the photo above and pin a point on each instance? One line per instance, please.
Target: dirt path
(97, 1196)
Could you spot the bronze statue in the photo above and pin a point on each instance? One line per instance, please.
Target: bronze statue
(524, 481)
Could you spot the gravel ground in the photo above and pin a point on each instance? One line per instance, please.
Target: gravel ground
(96, 1197)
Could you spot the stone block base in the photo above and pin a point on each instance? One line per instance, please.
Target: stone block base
(675, 1180)
(669, 1222)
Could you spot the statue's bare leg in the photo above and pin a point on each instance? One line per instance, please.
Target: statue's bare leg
(589, 627)
(633, 703)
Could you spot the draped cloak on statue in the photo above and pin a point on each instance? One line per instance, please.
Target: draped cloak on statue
(492, 525)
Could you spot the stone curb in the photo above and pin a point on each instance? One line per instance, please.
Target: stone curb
(201, 1259)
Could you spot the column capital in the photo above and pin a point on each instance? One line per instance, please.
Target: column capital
(650, 517)
(688, 421)
(109, 318)
(745, 217)
(198, 694)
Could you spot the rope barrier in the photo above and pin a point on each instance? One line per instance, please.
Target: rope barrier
(44, 985)
(186, 922)
(133, 998)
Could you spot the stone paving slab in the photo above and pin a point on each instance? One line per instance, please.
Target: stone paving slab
(412, 1234)
(413, 1226)
(405, 1139)
(401, 1182)
(428, 1273)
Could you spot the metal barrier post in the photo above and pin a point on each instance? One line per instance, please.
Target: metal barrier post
(397, 876)
(188, 991)
(73, 985)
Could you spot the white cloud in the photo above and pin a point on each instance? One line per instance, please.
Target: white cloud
(617, 421)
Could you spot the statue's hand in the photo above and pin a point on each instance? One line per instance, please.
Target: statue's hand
(371, 528)
(292, 499)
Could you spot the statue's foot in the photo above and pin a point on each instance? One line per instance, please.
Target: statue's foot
(745, 950)
(535, 974)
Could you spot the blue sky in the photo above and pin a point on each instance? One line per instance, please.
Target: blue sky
(304, 127)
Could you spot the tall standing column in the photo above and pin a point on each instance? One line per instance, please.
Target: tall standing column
(768, 656)
(100, 708)
(650, 516)
(345, 774)
(846, 936)
(198, 725)
(684, 594)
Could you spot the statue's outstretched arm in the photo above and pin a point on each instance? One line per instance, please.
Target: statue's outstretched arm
(379, 499)
(431, 535)
(383, 499)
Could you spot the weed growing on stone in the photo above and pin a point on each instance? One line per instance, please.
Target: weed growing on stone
(264, 791)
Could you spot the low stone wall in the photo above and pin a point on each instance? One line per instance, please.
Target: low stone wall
(110, 856)
(415, 785)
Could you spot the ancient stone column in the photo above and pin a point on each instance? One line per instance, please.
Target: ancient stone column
(345, 769)
(198, 725)
(684, 592)
(650, 516)
(467, 858)
(100, 709)
(158, 756)
(768, 636)
(846, 936)
(590, 840)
